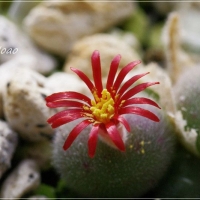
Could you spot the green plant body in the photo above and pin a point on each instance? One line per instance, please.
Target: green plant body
(111, 173)
(187, 93)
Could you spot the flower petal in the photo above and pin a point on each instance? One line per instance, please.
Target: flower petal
(139, 111)
(65, 103)
(140, 100)
(92, 142)
(124, 122)
(113, 70)
(63, 120)
(115, 136)
(123, 73)
(96, 68)
(68, 95)
(71, 113)
(74, 133)
(84, 78)
(137, 89)
(128, 83)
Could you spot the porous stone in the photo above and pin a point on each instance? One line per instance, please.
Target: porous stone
(62, 81)
(161, 92)
(25, 107)
(14, 43)
(9, 69)
(8, 143)
(108, 46)
(24, 179)
(128, 37)
(57, 25)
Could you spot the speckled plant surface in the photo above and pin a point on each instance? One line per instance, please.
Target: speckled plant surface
(99, 99)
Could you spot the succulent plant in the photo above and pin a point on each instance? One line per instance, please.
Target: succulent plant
(111, 173)
(187, 92)
(145, 139)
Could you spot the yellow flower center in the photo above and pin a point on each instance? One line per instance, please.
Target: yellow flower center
(102, 108)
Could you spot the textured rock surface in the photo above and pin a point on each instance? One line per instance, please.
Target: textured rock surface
(162, 92)
(22, 180)
(128, 37)
(8, 143)
(108, 46)
(57, 25)
(24, 105)
(11, 38)
(61, 81)
(9, 69)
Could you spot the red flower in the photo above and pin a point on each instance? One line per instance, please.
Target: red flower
(106, 110)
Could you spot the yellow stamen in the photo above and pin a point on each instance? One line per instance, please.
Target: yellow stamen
(86, 107)
(95, 96)
(102, 108)
(122, 103)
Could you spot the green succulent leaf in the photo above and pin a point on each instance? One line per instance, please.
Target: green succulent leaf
(46, 190)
